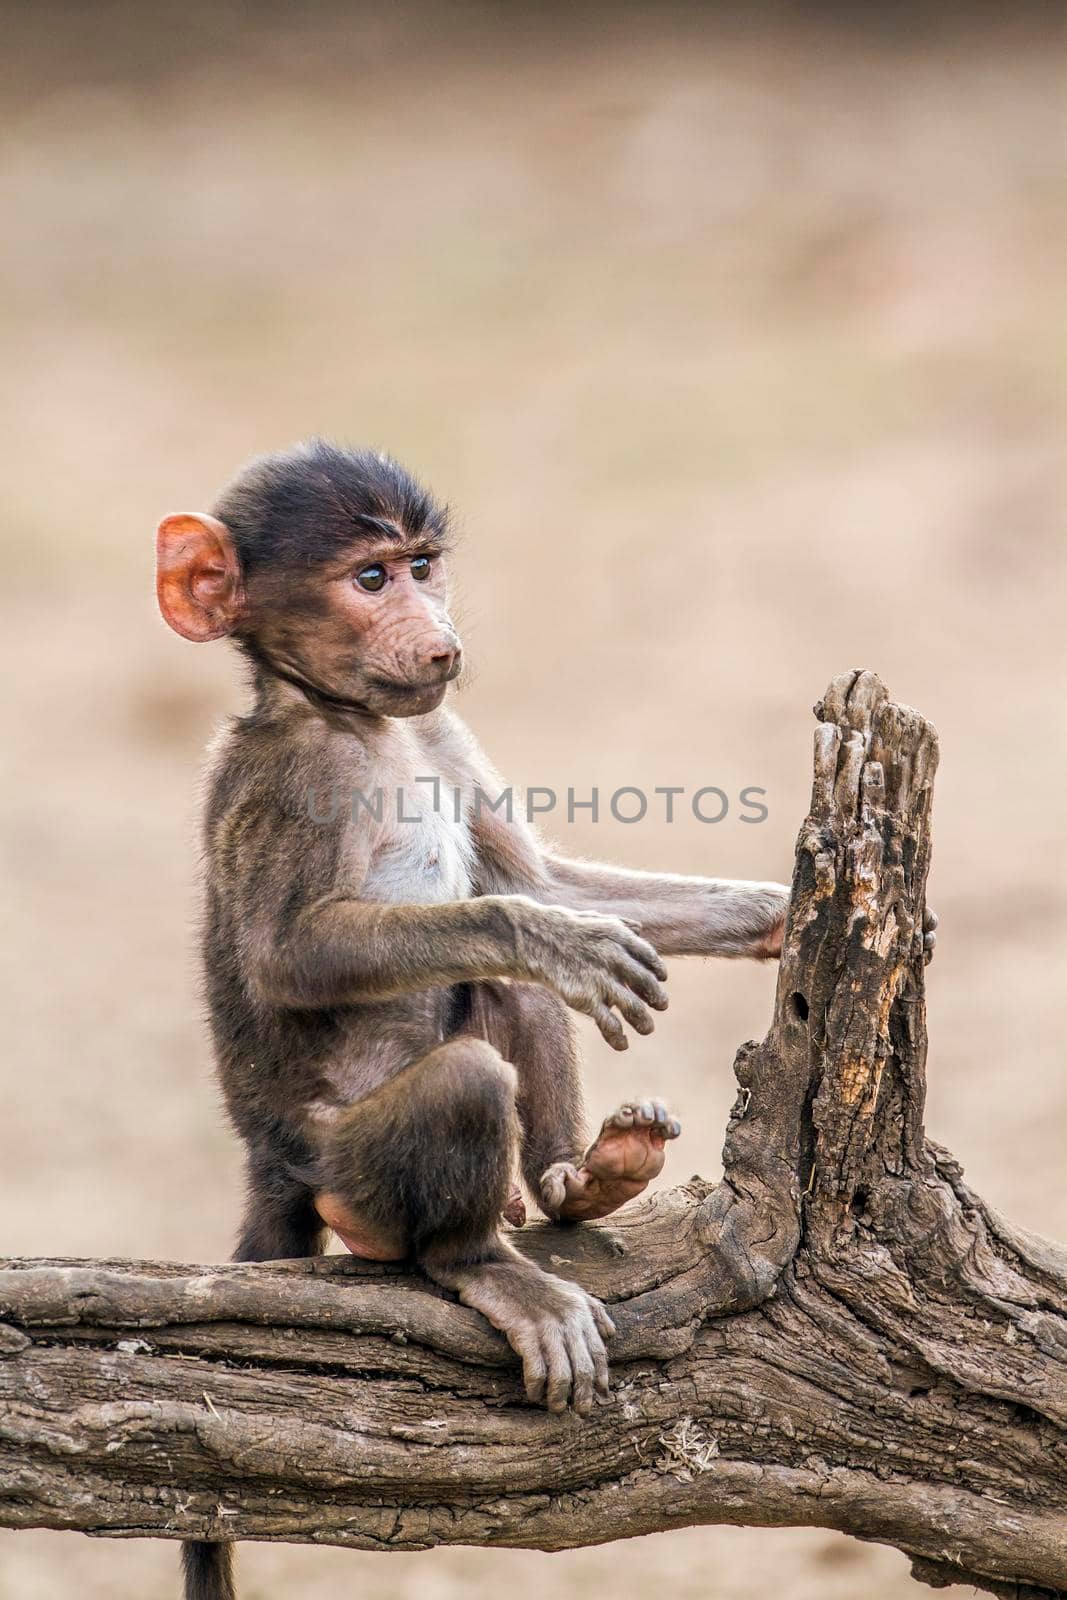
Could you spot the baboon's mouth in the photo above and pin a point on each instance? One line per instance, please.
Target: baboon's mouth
(411, 691)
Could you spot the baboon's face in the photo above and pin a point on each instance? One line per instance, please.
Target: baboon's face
(374, 629)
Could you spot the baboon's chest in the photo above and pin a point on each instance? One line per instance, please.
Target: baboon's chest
(424, 853)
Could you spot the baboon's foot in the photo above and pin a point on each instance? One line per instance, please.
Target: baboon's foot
(627, 1154)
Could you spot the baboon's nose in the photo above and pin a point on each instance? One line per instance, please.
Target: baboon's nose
(445, 664)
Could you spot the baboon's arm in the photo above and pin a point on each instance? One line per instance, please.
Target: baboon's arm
(681, 916)
(341, 951)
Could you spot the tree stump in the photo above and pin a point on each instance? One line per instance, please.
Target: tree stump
(839, 1334)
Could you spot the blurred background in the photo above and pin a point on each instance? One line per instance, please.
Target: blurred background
(735, 340)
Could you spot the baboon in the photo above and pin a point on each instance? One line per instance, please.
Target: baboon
(389, 977)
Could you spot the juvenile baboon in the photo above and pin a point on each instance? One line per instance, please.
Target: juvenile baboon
(389, 977)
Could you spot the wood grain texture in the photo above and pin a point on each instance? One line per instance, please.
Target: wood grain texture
(839, 1334)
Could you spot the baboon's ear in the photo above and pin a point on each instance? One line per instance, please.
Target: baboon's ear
(198, 577)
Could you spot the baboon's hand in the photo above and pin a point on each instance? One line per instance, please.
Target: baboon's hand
(769, 948)
(598, 964)
(747, 919)
(929, 934)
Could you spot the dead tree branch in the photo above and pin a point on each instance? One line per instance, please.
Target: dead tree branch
(839, 1334)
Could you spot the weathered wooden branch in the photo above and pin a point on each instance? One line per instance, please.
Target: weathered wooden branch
(839, 1334)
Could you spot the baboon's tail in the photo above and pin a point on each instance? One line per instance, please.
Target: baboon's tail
(208, 1571)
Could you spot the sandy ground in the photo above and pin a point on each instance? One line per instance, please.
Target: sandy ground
(739, 355)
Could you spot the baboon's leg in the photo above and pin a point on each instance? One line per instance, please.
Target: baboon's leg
(425, 1157)
(425, 1162)
(531, 1028)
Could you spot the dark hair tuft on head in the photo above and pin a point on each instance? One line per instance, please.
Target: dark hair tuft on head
(307, 505)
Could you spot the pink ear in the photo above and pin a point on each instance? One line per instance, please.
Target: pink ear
(198, 577)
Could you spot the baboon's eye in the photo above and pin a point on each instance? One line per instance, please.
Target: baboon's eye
(420, 568)
(371, 578)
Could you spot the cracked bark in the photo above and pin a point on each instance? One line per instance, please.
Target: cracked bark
(839, 1334)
